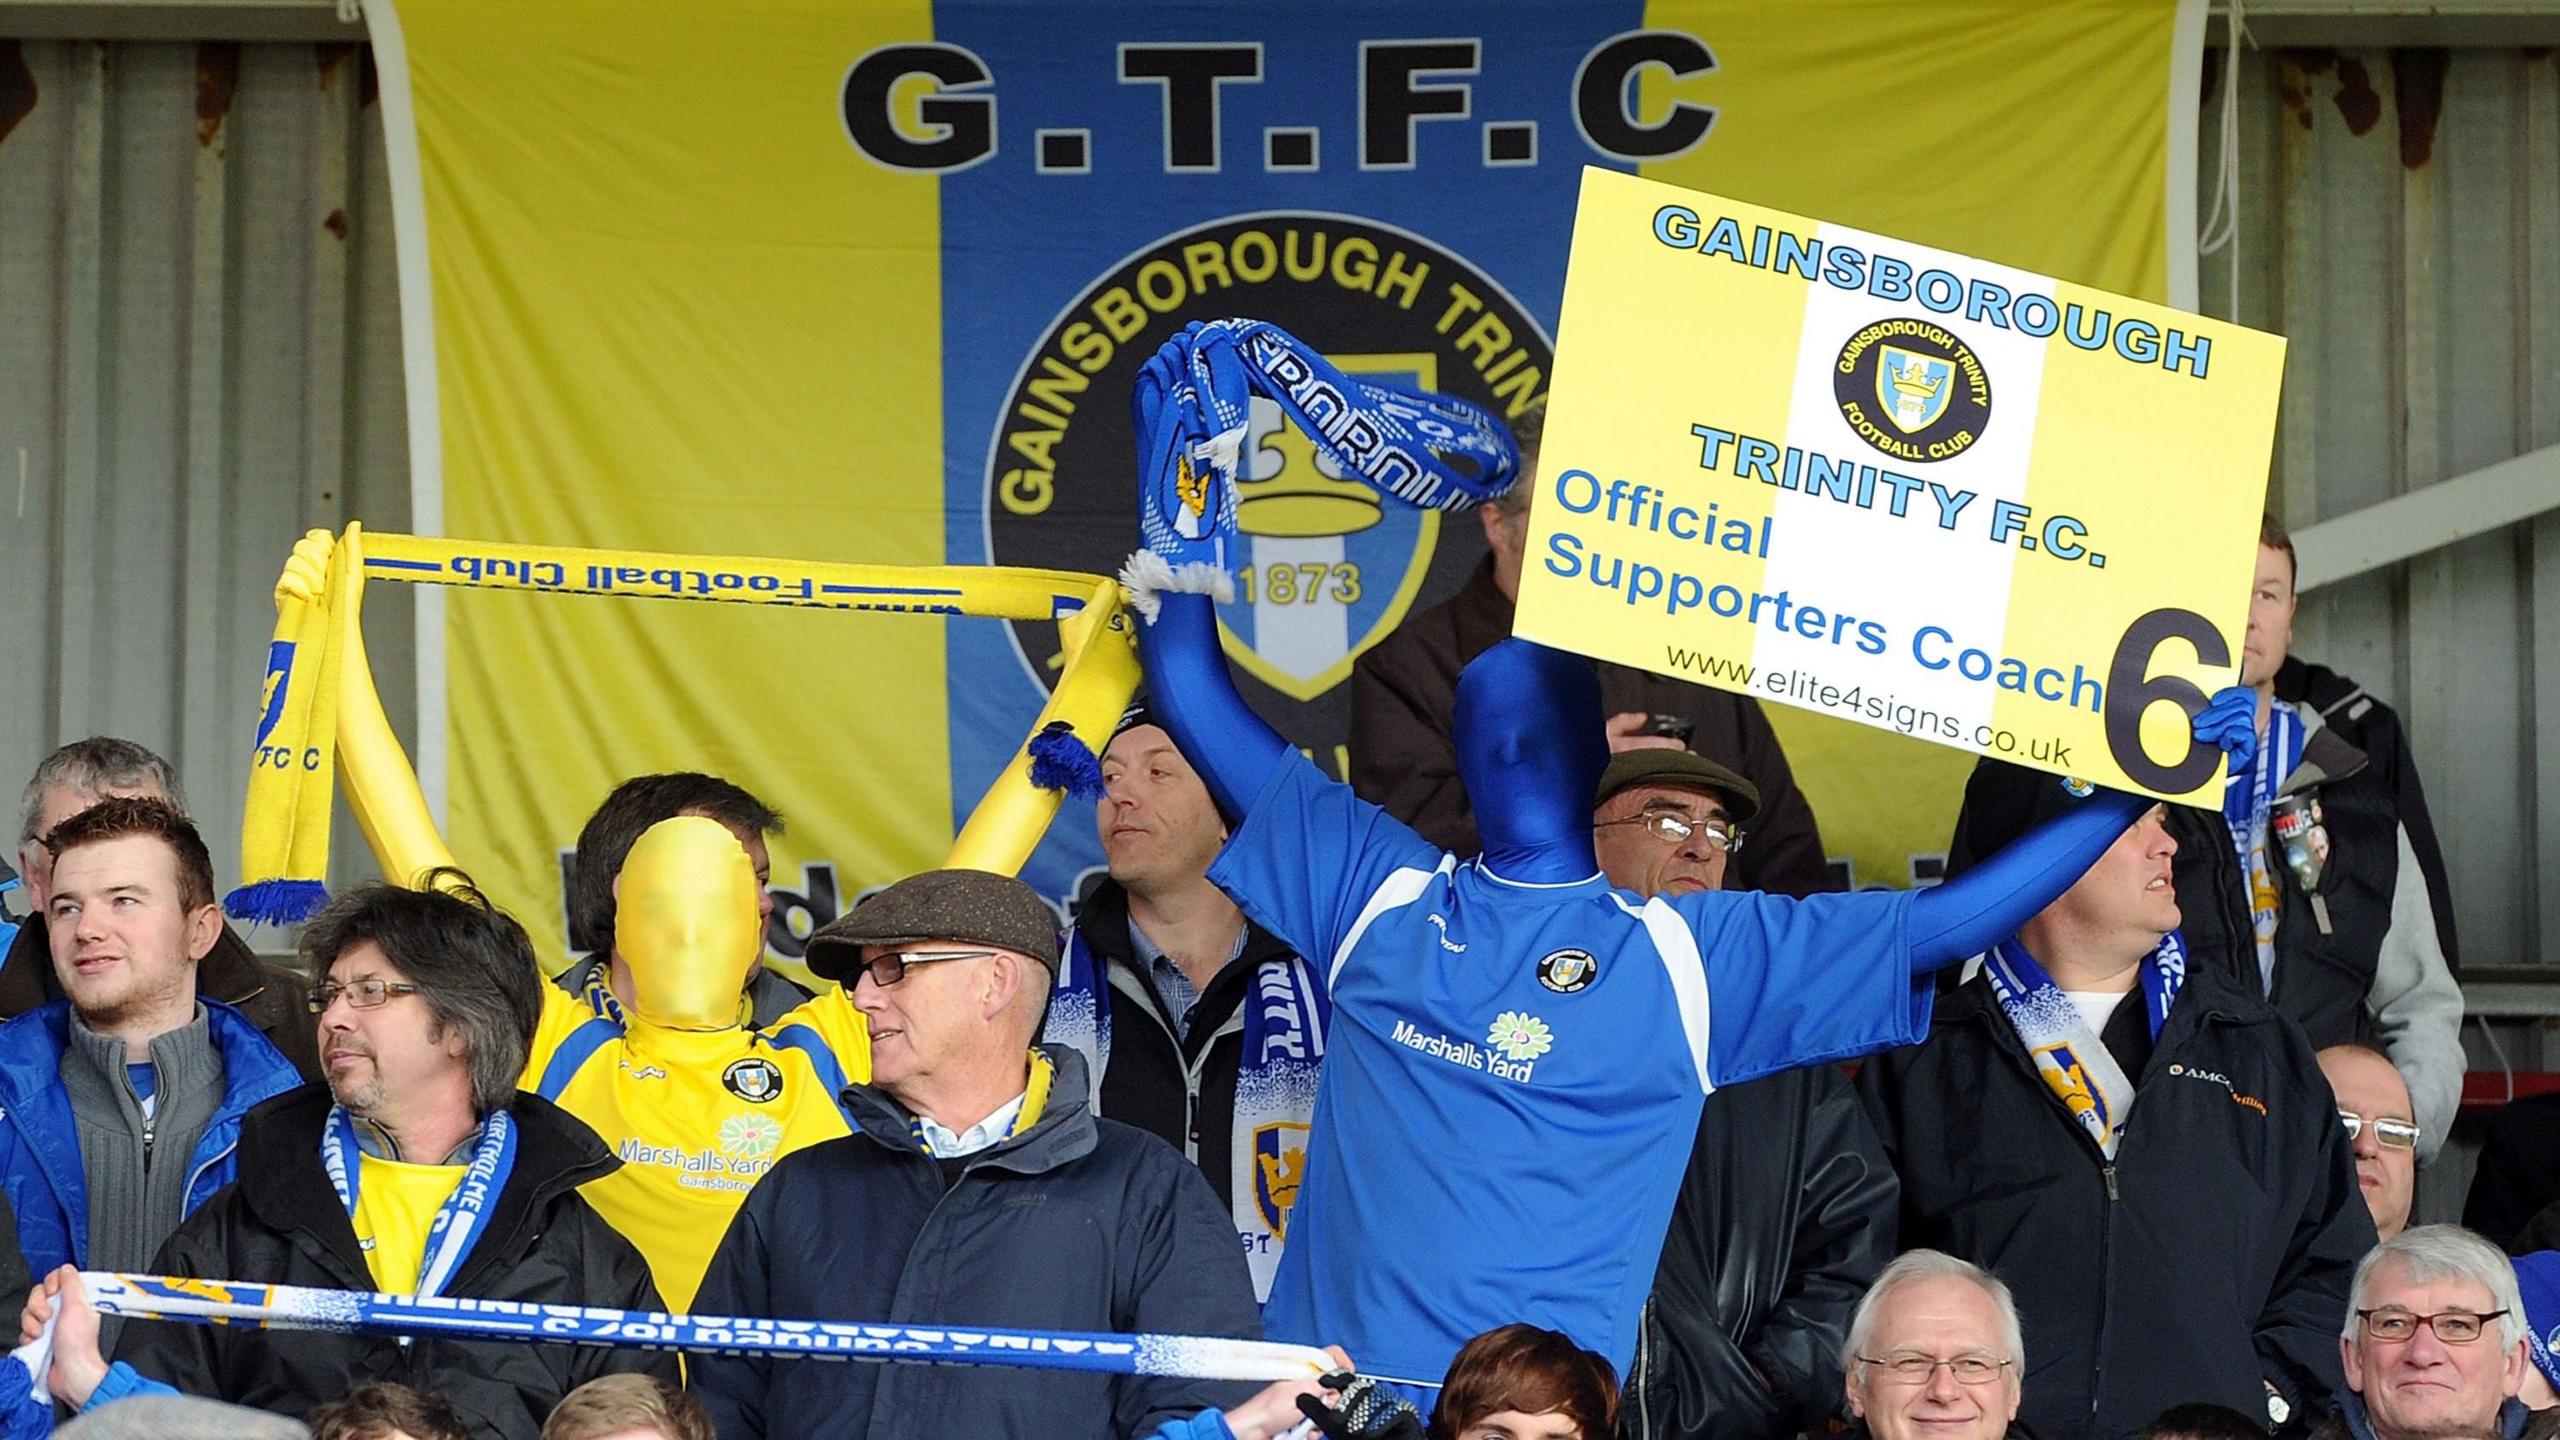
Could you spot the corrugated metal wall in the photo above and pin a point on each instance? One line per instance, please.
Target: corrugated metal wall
(199, 359)
(2400, 222)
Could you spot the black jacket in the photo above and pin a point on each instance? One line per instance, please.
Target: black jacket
(1076, 1224)
(2210, 1259)
(2374, 728)
(1785, 1216)
(1182, 1091)
(2378, 974)
(282, 1222)
(271, 996)
(2519, 1172)
(1403, 712)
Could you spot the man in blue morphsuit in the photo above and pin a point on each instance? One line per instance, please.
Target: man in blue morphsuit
(1519, 1052)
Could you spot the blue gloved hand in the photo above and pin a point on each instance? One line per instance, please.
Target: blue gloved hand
(2230, 721)
(1192, 405)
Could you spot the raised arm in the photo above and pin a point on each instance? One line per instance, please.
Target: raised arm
(1985, 905)
(1193, 412)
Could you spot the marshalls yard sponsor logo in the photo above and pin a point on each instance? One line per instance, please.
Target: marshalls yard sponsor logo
(1519, 1036)
(1911, 389)
(750, 1136)
(1323, 568)
(1567, 971)
(1516, 1040)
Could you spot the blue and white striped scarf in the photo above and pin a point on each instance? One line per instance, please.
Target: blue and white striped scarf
(1194, 405)
(2073, 1060)
(465, 1214)
(1285, 1020)
(2248, 798)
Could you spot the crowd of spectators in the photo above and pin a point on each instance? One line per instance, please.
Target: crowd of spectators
(2142, 1165)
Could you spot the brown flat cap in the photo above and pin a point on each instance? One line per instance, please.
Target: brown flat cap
(1684, 768)
(977, 906)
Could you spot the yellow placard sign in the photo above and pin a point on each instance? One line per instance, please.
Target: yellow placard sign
(1897, 485)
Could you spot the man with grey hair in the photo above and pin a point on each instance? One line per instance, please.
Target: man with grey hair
(2434, 1343)
(1934, 1351)
(73, 779)
(978, 1188)
(425, 1010)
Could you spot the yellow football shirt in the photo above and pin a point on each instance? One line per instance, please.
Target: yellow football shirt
(696, 1117)
(396, 1204)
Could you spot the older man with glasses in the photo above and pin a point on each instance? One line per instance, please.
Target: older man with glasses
(2434, 1343)
(977, 1189)
(2374, 1105)
(1787, 1211)
(1934, 1351)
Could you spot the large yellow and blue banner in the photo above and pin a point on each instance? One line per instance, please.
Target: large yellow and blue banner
(868, 282)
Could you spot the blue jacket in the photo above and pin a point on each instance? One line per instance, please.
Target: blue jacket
(40, 1147)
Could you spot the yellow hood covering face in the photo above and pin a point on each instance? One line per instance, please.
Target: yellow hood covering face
(686, 921)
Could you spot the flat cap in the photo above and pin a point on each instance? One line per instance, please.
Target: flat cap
(1656, 765)
(976, 906)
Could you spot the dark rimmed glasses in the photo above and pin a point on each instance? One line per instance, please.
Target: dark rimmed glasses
(886, 970)
(2393, 1325)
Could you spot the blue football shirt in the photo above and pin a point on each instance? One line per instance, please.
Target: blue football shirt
(1514, 1072)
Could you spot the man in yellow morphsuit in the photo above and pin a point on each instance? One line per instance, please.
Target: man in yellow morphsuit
(694, 1101)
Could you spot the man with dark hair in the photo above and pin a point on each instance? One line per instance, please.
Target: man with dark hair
(978, 1189)
(1786, 1212)
(1404, 706)
(71, 780)
(133, 1065)
(1197, 1025)
(604, 976)
(2116, 1128)
(426, 1008)
(2324, 877)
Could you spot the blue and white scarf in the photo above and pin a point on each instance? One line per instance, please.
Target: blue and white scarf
(1194, 405)
(2073, 1061)
(2248, 798)
(1285, 1021)
(465, 1214)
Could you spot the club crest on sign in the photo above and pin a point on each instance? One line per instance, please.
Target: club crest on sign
(1913, 389)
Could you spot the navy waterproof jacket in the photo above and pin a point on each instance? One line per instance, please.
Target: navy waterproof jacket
(40, 1168)
(1076, 1224)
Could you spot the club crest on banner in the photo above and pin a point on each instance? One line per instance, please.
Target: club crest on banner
(1323, 568)
(1279, 1164)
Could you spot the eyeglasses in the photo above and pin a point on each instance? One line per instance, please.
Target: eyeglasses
(2397, 1134)
(1672, 830)
(363, 994)
(1917, 1369)
(2391, 1324)
(887, 970)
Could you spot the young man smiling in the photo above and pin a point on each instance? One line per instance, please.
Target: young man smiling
(120, 1104)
